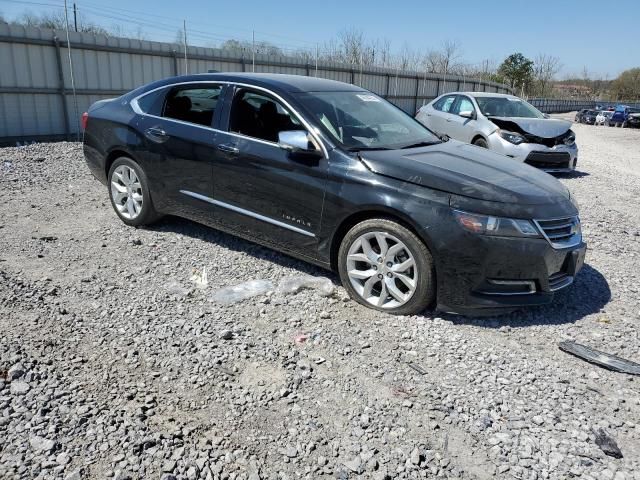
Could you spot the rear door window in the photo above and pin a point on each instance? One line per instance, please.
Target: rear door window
(445, 103)
(193, 104)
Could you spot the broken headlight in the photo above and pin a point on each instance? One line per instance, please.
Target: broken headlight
(496, 226)
(570, 139)
(511, 137)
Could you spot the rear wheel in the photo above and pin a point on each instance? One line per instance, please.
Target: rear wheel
(385, 266)
(481, 142)
(129, 193)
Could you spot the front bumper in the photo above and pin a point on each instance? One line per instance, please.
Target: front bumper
(557, 159)
(483, 275)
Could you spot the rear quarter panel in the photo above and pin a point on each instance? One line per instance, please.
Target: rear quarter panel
(111, 127)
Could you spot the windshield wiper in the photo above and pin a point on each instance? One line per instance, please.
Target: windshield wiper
(360, 149)
(421, 144)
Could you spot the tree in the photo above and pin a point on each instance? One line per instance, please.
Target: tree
(545, 67)
(627, 85)
(517, 71)
(57, 21)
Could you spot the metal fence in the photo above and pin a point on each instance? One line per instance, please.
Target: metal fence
(37, 101)
(556, 105)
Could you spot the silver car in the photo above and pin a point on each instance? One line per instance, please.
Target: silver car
(505, 124)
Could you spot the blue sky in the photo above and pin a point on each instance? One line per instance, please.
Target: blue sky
(599, 35)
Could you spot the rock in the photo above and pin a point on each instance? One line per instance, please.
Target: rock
(16, 372)
(607, 444)
(168, 466)
(40, 444)
(290, 451)
(322, 461)
(226, 335)
(415, 456)
(355, 465)
(538, 420)
(75, 475)
(63, 459)
(19, 387)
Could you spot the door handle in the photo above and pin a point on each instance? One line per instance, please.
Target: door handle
(225, 147)
(156, 134)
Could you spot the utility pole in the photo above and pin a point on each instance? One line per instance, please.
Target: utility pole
(186, 62)
(253, 51)
(75, 17)
(316, 59)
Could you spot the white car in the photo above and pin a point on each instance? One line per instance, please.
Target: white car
(603, 117)
(505, 124)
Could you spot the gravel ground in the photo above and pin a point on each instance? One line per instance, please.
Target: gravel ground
(113, 364)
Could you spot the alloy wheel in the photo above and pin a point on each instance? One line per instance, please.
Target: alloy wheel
(382, 269)
(126, 190)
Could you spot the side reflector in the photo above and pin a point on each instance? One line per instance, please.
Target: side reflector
(85, 120)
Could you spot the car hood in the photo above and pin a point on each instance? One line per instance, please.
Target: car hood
(468, 171)
(540, 127)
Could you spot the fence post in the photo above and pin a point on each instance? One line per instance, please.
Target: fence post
(63, 95)
(308, 70)
(458, 87)
(437, 86)
(353, 77)
(388, 89)
(244, 67)
(415, 105)
(175, 63)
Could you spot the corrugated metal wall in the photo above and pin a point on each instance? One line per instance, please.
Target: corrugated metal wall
(36, 100)
(557, 105)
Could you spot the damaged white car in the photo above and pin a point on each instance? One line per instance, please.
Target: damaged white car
(505, 124)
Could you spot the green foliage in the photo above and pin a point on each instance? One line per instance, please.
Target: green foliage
(517, 71)
(627, 85)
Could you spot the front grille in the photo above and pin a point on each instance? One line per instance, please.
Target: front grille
(549, 142)
(559, 280)
(561, 232)
(548, 159)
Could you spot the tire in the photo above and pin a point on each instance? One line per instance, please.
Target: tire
(405, 281)
(134, 205)
(480, 142)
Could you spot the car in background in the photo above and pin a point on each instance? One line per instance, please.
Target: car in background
(505, 124)
(603, 117)
(621, 114)
(588, 117)
(335, 175)
(579, 114)
(633, 120)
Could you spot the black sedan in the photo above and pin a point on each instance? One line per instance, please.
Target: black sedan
(587, 116)
(337, 176)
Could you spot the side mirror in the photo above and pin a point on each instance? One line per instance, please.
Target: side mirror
(467, 114)
(297, 142)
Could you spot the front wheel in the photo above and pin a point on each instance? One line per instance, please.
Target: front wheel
(385, 266)
(129, 193)
(481, 142)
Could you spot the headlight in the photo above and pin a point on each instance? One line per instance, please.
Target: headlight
(570, 139)
(511, 137)
(496, 226)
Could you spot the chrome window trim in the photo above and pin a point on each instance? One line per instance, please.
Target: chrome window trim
(312, 130)
(248, 213)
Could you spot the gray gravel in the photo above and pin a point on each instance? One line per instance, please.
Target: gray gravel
(114, 364)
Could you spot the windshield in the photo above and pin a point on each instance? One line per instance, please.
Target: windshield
(364, 121)
(507, 107)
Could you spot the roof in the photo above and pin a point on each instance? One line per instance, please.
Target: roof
(273, 81)
(488, 94)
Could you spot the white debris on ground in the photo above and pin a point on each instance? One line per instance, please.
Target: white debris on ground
(113, 364)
